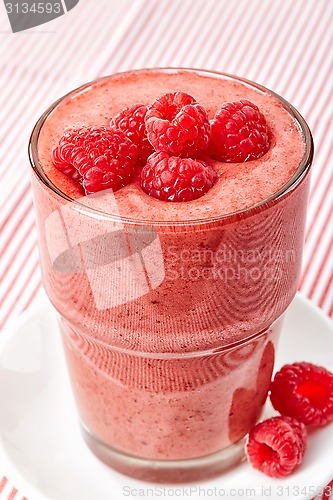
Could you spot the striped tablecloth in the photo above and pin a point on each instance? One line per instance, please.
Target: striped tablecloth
(282, 44)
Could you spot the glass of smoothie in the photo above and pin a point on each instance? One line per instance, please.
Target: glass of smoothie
(170, 312)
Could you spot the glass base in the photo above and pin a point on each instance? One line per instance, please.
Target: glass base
(166, 471)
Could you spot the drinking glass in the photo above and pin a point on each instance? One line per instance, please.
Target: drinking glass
(170, 328)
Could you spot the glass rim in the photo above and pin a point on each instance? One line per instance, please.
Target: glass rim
(292, 183)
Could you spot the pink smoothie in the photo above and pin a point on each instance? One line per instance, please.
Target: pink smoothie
(170, 312)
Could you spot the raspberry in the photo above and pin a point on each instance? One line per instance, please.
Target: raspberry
(97, 157)
(276, 446)
(61, 155)
(176, 179)
(239, 132)
(176, 124)
(304, 391)
(132, 122)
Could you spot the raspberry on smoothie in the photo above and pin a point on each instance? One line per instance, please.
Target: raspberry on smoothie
(96, 157)
(176, 179)
(239, 132)
(131, 121)
(177, 124)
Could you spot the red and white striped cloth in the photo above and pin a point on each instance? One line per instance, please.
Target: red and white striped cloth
(282, 44)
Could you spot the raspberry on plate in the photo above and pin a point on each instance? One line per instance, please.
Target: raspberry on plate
(97, 157)
(131, 121)
(276, 446)
(239, 132)
(176, 179)
(304, 391)
(176, 124)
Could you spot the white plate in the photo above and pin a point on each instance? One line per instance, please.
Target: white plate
(41, 449)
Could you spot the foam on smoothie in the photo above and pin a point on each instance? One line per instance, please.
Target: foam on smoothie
(239, 185)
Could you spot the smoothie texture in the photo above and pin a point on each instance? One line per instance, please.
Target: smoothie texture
(170, 312)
